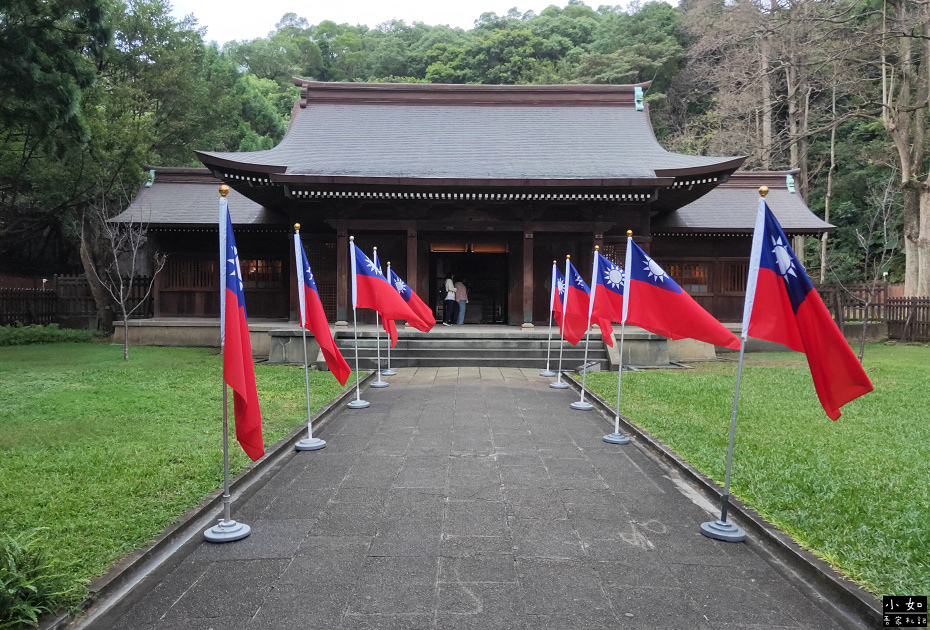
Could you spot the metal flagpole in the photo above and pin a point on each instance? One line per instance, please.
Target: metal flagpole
(616, 437)
(547, 372)
(358, 403)
(558, 383)
(389, 371)
(582, 404)
(378, 383)
(722, 529)
(226, 530)
(310, 443)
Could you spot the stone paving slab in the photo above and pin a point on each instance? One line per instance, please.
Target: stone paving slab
(472, 498)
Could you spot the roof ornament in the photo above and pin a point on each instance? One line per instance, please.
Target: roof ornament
(150, 178)
(789, 182)
(638, 98)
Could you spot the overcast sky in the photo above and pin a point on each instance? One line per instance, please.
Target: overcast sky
(227, 20)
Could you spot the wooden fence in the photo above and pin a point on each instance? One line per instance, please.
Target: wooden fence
(908, 318)
(70, 304)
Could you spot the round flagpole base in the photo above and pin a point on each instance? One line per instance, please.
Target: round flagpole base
(379, 384)
(616, 438)
(310, 444)
(227, 531)
(582, 405)
(558, 385)
(547, 373)
(388, 373)
(359, 404)
(725, 531)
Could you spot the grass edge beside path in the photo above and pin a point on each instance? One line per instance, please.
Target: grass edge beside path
(86, 438)
(854, 492)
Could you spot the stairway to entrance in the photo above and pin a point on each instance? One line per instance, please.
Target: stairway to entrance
(461, 346)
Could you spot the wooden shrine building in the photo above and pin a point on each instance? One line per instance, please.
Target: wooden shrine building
(490, 183)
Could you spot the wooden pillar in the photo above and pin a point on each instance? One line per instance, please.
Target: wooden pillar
(342, 273)
(528, 277)
(293, 297)
(412, 277)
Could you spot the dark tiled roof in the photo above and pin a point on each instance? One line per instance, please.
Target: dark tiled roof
(732, 206)
(191, 197)
(522, 137)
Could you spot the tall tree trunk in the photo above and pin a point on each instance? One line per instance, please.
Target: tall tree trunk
(101, 297)
(829, 195)
(923, 244)
(911, 237)
(765, 47)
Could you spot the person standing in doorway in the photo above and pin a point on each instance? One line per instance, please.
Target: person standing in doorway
(461, 297)
(448, 304)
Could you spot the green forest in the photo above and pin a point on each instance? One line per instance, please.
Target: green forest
(93, 90)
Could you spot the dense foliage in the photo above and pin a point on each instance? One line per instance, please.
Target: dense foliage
(834, 89)
(20, 335)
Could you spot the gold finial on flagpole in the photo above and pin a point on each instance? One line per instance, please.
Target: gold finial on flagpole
(597, 247)
(224, 190)
(629, 232)
(351, 238)
(297, 227)
(554, 262)
(568, 255)
(764, 190)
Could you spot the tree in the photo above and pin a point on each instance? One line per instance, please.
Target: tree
(124, 255)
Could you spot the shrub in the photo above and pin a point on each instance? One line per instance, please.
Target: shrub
(19, 335)
(30, 583)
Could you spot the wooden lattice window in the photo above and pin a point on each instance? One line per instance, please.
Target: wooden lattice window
(733, 277)
(261, 274)
(614, 252)
(185, 272)
(693, 277)
(322, 258)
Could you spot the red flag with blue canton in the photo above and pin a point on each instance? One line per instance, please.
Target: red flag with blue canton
(313, 318)
(554, 287)
(422, 311)
(656, 303)
(387, 324)
(573, 320)
(370, 289)
(238, 369)
(783, 306)
(606, 295)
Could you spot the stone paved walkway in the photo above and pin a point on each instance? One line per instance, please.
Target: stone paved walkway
(472, 498)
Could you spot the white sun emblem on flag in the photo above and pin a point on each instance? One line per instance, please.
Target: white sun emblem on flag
(561, 287)
(400, 286)
(373, 267)
(784, 259)
(235, 265)
(614, 277)
(578, 281)
(654, 271)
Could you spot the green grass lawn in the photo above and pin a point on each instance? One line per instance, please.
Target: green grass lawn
(104, 453)
(856, 491)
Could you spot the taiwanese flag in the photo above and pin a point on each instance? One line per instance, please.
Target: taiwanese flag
(313, 318)
(238, 369)
(557, 297)
(573, 318)
(606, 296)
(557, 290)
(783, 306)
(370, 289)
(387, 324)
(656, 303)
(420, 309)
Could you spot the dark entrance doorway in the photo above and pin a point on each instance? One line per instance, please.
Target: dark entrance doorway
(484, 268)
